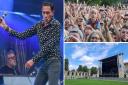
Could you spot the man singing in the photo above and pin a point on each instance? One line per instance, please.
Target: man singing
(48, 32)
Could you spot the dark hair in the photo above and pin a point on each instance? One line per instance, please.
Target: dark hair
(10, 52)
(48, 4)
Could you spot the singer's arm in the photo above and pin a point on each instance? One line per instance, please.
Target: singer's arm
(52, 43)
(22, 35)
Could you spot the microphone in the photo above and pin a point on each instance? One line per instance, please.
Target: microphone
(3, 16)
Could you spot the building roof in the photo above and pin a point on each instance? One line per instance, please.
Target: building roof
(107, 58)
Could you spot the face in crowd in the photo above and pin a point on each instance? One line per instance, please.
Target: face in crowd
(93, 15)
(75, 35)
(124, 33)
(95, 38)
(67, 24)
(80, 21)
(88, 30)
(11, 59)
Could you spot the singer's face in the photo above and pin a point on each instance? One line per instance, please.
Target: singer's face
(11, 59)
(47, 13)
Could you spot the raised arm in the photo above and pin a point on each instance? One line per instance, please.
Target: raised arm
(21, 35)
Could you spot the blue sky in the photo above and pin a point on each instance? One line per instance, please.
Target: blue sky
(89, 53)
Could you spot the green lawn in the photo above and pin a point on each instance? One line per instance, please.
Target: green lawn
(93, 82)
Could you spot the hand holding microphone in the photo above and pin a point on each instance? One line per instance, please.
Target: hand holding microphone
(2, 21)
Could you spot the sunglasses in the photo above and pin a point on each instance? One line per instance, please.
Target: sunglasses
(13, 58)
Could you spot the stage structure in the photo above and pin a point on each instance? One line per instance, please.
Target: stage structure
(112, 66)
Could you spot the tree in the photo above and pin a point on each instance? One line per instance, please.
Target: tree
(85, 69)
(93, 70)
(66, 65)
(110, 2)
(93, 2)
(80, 68)
(97, 2)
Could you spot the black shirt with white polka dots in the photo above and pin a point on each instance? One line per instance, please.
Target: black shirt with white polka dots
(49, 39)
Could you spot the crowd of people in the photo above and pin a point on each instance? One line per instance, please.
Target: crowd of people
(85, 23)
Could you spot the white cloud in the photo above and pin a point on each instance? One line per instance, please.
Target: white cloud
(72, 66)
(88, 54)
(111, 44)
(87, 59)
(126, 60)
(78, 52)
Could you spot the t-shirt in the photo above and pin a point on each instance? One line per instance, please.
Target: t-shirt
(5, 70)
(1, 80)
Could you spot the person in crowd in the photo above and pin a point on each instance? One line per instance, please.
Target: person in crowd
(96, 36)
(10, 68)
(87, 31)
(124, 34)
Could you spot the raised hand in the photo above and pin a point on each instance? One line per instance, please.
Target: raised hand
(2, 23)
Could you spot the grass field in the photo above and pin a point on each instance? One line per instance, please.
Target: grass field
(93, 82)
